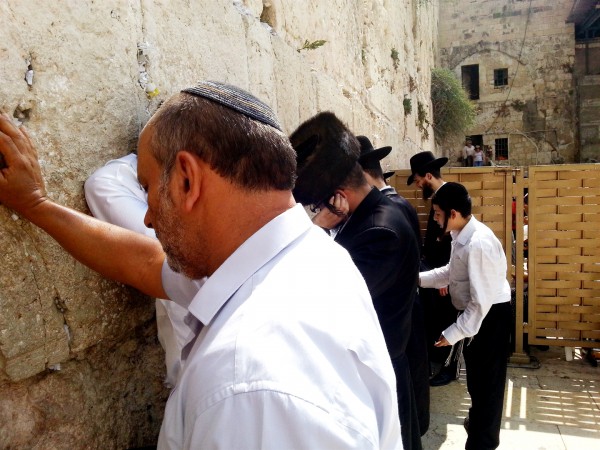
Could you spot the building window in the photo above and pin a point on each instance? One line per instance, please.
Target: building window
(501, 149)
(470, 80)
(500, 77)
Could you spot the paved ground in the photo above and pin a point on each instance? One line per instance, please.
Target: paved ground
(555, 407)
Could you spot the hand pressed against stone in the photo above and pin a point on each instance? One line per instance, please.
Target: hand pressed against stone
(21, 184)
(90, 241)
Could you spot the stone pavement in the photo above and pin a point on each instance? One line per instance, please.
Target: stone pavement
(555, 407)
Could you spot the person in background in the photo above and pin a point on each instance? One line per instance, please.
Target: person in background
(488, 159)
(468, 152)
(478, 157)
(476, 276)
(114, 195)
(369, 160)
(266, 354)
(416, 350)
(437, 305)
(377, 236)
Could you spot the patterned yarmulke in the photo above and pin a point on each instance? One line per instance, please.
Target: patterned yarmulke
(236, 99)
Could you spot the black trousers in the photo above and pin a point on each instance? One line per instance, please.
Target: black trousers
(407, 405)
(486, 357)
(439, 314)
(418, 363)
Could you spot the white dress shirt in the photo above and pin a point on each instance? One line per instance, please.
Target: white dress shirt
(476, 276)
(291, 354)
(114, 195)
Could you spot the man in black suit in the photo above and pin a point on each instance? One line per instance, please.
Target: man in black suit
(416, 350)
(377, 236)
(437, 305)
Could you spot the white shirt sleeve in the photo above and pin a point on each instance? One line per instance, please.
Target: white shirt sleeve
(435, 278)
(114, 195)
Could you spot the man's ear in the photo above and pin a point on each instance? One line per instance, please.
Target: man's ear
(187, 174)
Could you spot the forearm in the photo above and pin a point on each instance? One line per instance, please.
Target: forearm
(436, 278)
(114, 252)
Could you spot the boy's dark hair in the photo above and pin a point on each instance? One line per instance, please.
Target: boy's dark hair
(453, 196)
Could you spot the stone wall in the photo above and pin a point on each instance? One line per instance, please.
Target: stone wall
(80, 366)
(587, 75)
(535, 109)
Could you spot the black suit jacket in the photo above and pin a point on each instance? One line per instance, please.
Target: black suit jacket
(383, 246)
(407, 209)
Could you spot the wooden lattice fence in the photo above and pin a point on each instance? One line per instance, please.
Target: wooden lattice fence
(563, 306)
(564, 255)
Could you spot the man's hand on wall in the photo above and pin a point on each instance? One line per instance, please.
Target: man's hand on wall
(21, 182)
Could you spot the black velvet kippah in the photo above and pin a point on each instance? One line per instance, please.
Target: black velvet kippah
(236, 99)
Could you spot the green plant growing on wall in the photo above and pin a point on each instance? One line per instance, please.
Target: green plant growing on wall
(453, 112)
(395, 58)
(422, 121)
(407, 103)
(518, 105)
(312, 45)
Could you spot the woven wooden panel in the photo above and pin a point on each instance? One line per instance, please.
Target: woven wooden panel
(564, 242)
(564, 255)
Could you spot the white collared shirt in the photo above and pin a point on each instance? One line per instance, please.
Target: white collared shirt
(476, 276)
(291, 354)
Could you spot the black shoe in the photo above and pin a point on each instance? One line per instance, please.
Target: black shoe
(444, 377)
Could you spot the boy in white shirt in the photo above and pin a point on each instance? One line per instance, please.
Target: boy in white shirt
(476, 276)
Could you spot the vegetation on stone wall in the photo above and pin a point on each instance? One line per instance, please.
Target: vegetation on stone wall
(395, 58)
(422, 120)
(407, 103)
(312, 45)
(453, 112)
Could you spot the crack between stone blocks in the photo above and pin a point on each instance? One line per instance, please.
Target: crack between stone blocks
(58, 302)
(39, 299)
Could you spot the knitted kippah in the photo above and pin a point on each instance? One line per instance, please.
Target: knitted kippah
(237, 99)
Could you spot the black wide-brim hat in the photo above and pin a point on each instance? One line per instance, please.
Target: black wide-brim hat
(369, 156)
(423, 162)
(326, 152)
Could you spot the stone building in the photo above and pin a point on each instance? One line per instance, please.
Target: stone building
(516, 59)
(80, 365)
(585, 15)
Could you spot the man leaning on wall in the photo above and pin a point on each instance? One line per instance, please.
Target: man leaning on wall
(267, 363)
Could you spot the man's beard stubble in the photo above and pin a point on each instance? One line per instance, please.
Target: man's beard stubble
(187, 258)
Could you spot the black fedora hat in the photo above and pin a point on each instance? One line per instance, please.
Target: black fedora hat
(326, 152)
(423, 162)
(369, 156)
